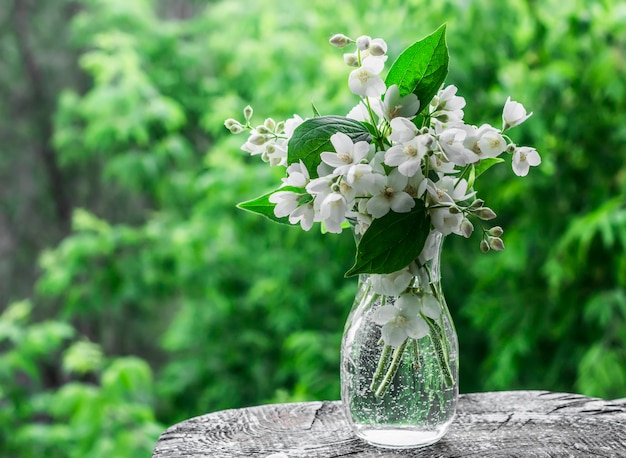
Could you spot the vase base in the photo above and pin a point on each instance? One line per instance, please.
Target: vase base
(400, 438)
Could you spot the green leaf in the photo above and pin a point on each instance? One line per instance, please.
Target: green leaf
(486, 164)
(312, 137)
(421, 69)
(263, 206)
(316, 112)
(392, 242)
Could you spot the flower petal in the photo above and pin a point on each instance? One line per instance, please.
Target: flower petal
(409, 304)
(401, 202)
(417, 328)
(431, 306)
(342, 143)
(384, 314)
(393, 335)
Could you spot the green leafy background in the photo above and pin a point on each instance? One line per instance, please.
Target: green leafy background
(134, 293)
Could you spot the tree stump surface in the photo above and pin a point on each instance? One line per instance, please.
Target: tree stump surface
(495, 424)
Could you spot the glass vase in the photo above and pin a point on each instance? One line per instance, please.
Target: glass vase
(399, 356)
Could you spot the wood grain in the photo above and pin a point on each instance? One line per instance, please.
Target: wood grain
(496, 424)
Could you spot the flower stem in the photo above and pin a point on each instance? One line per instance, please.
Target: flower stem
(437, 339)
(393, 368)
(416, 355)
(382, 363)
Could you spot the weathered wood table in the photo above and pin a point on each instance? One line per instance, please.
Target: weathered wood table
(498, 424)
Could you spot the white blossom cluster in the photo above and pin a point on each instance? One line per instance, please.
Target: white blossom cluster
(404, 162)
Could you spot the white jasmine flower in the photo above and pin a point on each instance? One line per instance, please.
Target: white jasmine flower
(286, 202)
(392, 197)
(347, 153)
(297, 175)
(291, 125)
(416, 184)
(392, 284)
(319, 188)
(365, 80)
(448, 100)
(396, 106)
(444, 194)
(360, 112)
(403, 319)
(430, 306)
(447, 106)
(490, 142)
(449, 190)
(332, 211)
(408, 156)
(513, 114)
(304, 214)
(430, 247)
(451, 141)
(445, 221)
(363, 179)
(523, 158)
(402, 130)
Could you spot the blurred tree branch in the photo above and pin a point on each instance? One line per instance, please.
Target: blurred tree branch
(43, 108)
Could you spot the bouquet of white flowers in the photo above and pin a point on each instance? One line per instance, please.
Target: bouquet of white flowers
(399, 166)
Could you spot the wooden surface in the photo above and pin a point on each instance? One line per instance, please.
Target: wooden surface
(498, 424)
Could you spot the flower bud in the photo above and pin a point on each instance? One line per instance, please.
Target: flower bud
(427, 140)
(363, 42)
(351, 60)
(466, 228)
(247, 112)
(496, 243)
(339, 40)
(378, 47)
(280, 127)
(233, 125)
(484, 246)
(262, 129)
(270, 124)
(454, 210)
(510, 148)
(257, 139)
(496, 231)
(513, 114)
(478, 203)
(485, 213)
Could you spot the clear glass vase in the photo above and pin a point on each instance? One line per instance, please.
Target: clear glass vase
(399, 357)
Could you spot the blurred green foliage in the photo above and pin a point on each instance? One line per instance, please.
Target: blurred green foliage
(162, 275)
(103, 407)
